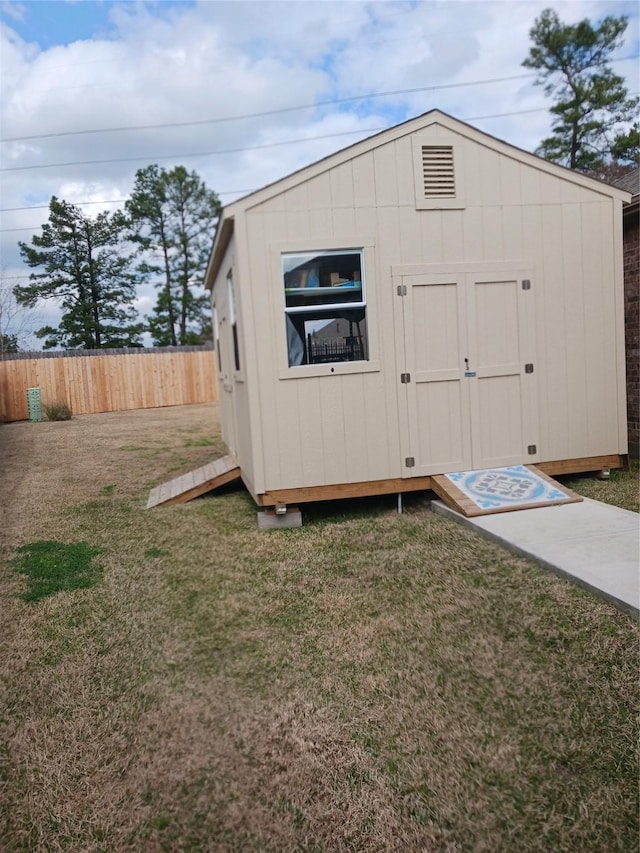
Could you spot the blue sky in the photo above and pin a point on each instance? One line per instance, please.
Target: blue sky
(62, 22)
(75, 66)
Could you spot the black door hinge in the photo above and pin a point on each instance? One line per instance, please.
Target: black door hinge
(528, 368)
(405, 378)
(410, 462)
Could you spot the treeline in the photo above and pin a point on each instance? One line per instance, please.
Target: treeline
(93, 267)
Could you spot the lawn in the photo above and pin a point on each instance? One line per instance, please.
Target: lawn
(368, 682)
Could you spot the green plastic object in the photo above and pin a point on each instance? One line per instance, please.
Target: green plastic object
(34, 401)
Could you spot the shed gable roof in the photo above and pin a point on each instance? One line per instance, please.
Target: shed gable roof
(631, 183)
(406, 128)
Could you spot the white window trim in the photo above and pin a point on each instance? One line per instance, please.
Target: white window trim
(238, 374)
(338, 368)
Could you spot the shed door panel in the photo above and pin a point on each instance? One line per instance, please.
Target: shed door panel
(437, 401)
(467, 338)
(497, 346)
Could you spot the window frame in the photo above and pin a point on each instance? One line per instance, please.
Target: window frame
(233, 323)
(365, 247)
(216, 337)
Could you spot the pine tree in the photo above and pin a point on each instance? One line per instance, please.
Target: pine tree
(85, 269)
(593, 111)
(173, 216)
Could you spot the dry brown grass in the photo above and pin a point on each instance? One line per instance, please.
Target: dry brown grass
(368, 682)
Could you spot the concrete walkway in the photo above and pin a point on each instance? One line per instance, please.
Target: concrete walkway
(595, 544)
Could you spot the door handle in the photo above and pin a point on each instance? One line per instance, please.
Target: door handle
(466, 364)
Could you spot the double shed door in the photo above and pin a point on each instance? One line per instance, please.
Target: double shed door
(465, 338)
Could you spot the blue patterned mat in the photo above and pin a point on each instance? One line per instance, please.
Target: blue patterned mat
(502, 488)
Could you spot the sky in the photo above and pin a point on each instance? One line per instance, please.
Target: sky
(244, 92)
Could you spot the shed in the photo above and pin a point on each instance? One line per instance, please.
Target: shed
(473, 297)
(631, 255)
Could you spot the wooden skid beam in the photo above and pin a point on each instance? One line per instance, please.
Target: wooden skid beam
(195, 483)
(343, 490)
(579, 466)
(403, 485)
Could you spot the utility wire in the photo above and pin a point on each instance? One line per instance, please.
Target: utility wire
(101, 201)
(241, 149)
(266, 113)
(195, 154)
(280, 111)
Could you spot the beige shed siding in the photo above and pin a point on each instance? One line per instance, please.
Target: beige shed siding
(348, 428)
(234, 386)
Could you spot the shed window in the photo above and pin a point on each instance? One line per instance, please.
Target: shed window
(325, 307)
(216, 337)
(232, 320)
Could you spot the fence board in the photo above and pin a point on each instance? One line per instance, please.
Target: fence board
(108, 381)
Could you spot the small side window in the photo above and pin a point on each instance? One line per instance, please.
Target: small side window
(216, 337)
(325, 307)
(232, 320)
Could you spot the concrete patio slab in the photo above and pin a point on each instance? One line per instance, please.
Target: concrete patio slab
(595, 544)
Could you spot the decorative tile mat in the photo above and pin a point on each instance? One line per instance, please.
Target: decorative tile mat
(505, 488)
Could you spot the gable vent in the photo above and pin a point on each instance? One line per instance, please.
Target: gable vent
(437, 171)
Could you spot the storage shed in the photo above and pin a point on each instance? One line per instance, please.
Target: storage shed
(428, 300)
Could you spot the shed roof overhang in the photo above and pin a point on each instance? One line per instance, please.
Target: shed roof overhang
(221, 241)
(406, 128)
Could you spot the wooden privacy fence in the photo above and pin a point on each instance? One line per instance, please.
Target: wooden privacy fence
(108, 380)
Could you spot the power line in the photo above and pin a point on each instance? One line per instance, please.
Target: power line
(102, 201)
(152, 158)
(267, 113)
(195, 154)
(280, 111)
(209, 154)
(223, 192)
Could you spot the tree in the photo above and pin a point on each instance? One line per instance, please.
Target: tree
(593, 111)
(172, 216)
(85, 270)
(8, 344)
(15, 321)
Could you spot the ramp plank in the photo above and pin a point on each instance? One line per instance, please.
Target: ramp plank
(191, 485)
(457, 500)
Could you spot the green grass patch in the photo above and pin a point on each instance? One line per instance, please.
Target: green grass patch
(203, 441)
(107, 490)
(155, 552)
(52, 567)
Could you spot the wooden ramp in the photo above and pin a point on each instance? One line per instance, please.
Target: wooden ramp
(196, 483)
(492, 490)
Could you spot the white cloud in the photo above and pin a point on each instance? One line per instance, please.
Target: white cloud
(219, 59)
(15, 11)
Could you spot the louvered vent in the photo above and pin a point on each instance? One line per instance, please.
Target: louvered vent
(437, 171)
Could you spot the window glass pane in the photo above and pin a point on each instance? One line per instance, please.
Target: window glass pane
(216, 337)
(232, 319)
(325, 307)
(325, 278)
